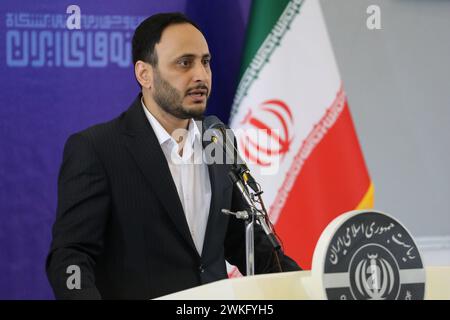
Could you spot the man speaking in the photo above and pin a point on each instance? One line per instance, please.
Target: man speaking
(136, 217)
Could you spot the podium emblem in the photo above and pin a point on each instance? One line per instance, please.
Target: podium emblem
(375, 276)
(368, 255)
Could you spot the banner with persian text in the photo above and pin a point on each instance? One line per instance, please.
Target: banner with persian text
(60, 74)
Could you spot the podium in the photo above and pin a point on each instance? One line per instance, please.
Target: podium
(361, 255)
(297, 285)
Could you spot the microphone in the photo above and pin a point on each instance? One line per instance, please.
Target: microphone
(223, 135)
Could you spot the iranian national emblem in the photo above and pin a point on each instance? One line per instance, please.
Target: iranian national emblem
(268, 133)
(374, 274)
(371, 256)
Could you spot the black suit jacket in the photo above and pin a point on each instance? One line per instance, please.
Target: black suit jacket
(120, 220)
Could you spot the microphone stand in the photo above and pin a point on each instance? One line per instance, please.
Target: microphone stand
(241, 178)
(250, 216)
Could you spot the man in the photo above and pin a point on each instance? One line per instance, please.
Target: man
(136, 219)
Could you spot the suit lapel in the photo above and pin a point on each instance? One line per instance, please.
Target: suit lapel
(214, 210)
(142, 143)
(217, 178)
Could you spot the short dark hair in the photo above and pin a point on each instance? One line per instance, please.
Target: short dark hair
(149, 32)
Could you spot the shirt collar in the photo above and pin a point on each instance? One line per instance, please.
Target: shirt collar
(163, 136)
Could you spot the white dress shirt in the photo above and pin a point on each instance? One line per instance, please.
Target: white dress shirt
(190, 175)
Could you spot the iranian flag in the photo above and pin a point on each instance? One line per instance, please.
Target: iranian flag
(307, 159)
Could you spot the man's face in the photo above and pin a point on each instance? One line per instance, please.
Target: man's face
(182, 77)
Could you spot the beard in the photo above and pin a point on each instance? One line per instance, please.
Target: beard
(171, 100)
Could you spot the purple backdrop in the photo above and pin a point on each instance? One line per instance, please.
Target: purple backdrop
(55, 81)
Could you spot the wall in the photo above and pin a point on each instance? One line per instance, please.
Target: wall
(398, 84)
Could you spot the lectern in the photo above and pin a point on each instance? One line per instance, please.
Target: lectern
(361, 255)
(297, 285)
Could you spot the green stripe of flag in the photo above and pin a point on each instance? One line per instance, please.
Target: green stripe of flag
(264, 14)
